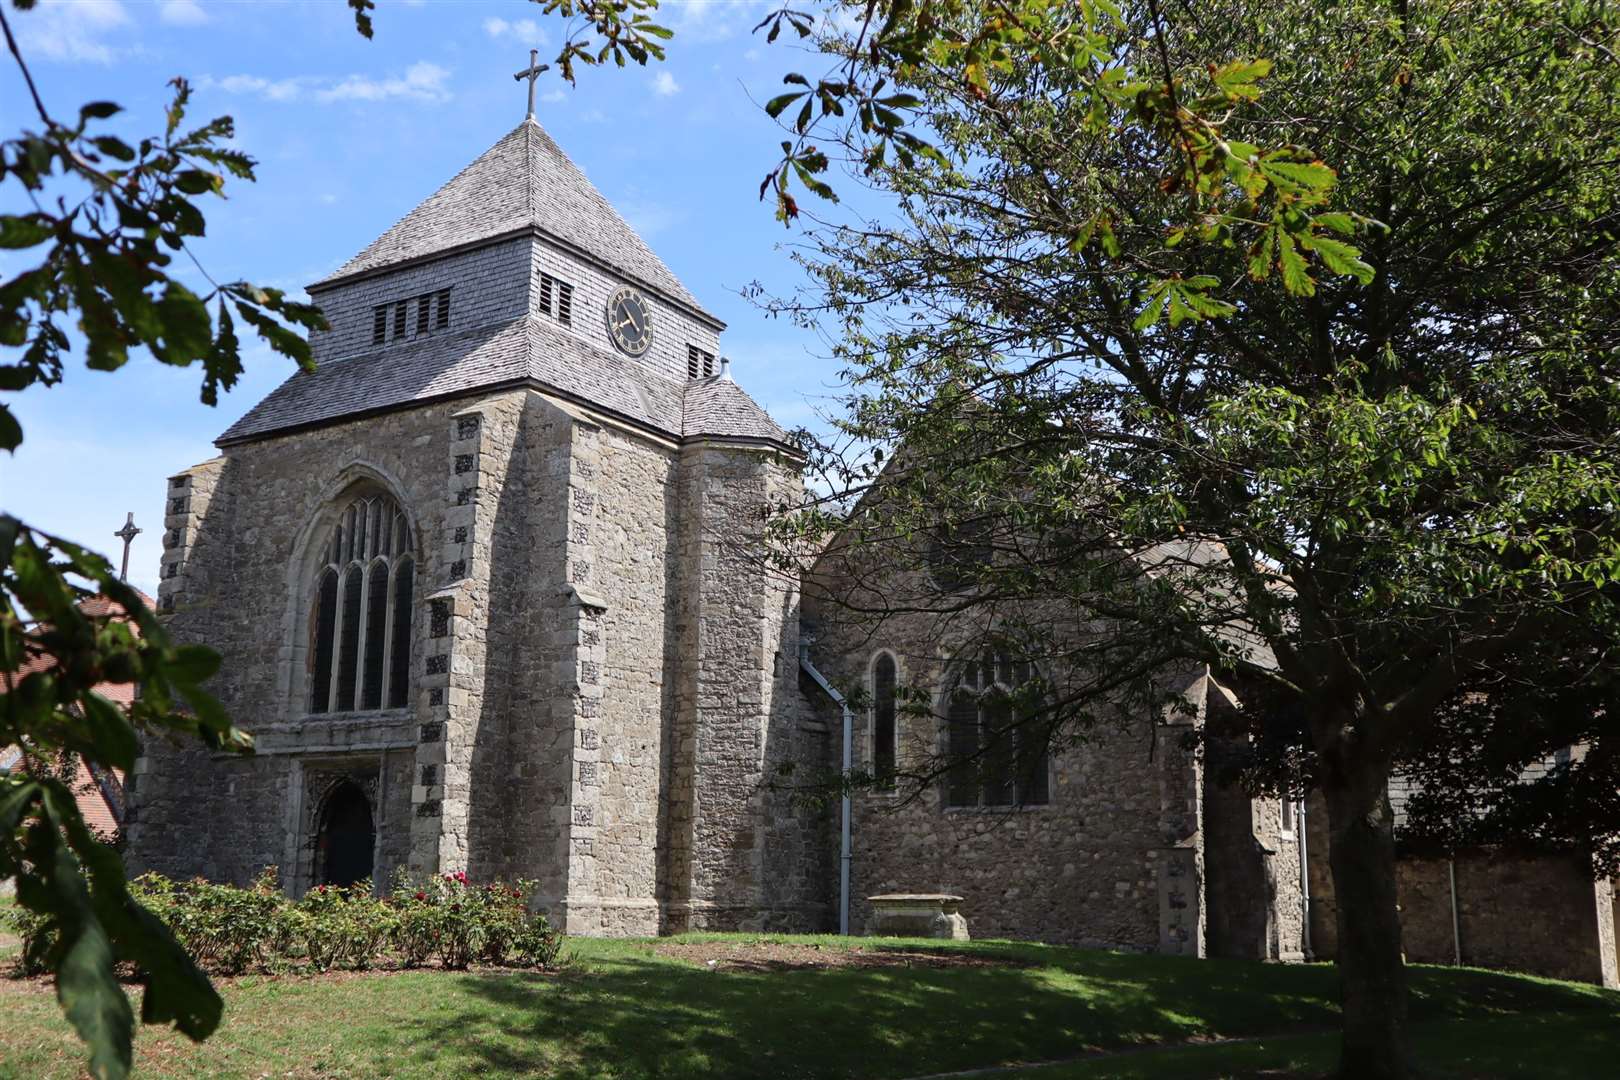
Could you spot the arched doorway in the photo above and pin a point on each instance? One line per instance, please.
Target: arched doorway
(347, 837)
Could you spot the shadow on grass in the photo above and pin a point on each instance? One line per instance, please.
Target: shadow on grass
(630, 1014)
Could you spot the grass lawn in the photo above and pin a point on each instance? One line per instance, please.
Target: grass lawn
(775, 1007)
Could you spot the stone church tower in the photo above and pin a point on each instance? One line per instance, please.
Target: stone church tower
(482, 586)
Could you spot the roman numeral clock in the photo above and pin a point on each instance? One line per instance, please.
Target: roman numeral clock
(627, 321)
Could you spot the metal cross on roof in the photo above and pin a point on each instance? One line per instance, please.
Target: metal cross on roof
(127, 534)
(534, 71)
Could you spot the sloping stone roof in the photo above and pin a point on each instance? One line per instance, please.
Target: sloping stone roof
(524, 351)
(523, 181)
(720, 407)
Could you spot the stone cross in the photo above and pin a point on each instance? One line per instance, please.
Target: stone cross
(127, 534)
(535, 69)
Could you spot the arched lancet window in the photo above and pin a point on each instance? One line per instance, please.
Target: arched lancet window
(360, 625)
(998, 753)
(884, 728)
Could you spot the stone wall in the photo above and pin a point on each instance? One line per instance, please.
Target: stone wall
(738, 855)
(1256, 906)
(1540, 913)
(619, 519)
(242, 536)
(604, 673)
(1114, 859)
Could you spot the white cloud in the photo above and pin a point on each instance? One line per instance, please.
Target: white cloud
(269, 89)
(551, 97)
(70, 30)
(525, 30)
(422, 81)
(182, 12)
(664, 84)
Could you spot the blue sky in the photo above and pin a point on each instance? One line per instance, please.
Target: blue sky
(350, 135)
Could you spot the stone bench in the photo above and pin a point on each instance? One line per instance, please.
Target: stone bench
(932, 915)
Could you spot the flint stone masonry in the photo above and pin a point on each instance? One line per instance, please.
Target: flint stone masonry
(1525, 911)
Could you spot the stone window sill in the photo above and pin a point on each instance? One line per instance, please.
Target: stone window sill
(1027, 808)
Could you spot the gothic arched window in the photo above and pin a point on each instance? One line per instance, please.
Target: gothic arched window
(360, 620)
(884, 728)
(995, 743)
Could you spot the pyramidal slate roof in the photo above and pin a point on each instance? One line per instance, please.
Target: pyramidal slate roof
(524, 181)
(526, 351)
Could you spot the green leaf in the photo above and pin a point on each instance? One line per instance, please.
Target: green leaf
(192, 664)
(774, 107)
(278, 337)
(1237, 79)
(112, 739)
(1295, 176)
(199, 181)
(1339, 257)
(113, 147)
(99, 110)
(86, 982)
(1296, 278)
(1341, 223)
(10, 431)
(187, 330)
(24, 230)
(1158, 298)
(362, 16)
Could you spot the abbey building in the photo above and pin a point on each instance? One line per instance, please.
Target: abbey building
(487, 589)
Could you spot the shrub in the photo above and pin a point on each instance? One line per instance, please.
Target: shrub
(538, 945)
(223, 927)
(230, 930)
(38, 934)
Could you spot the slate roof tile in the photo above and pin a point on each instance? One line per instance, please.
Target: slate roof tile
(527, 350)
(718, 406)
(524, 180)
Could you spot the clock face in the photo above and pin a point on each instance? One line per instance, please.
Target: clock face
(627, 321)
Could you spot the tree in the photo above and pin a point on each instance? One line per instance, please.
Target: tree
(1382, 497)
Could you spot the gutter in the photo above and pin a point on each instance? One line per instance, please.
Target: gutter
(1456, 929)
(1304, 880)
(844, 856)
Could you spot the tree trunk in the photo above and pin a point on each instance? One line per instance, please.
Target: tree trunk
(1372, 973)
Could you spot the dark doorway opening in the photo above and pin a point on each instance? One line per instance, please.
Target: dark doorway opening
(347, 839)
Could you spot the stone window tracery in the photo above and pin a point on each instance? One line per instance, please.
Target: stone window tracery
(360, 617)
(995, 743)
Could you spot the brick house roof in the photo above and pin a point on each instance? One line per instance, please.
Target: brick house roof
(524, 181)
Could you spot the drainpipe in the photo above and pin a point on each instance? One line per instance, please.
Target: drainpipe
(1304, 882)
(843, 804)
(1456, 931)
